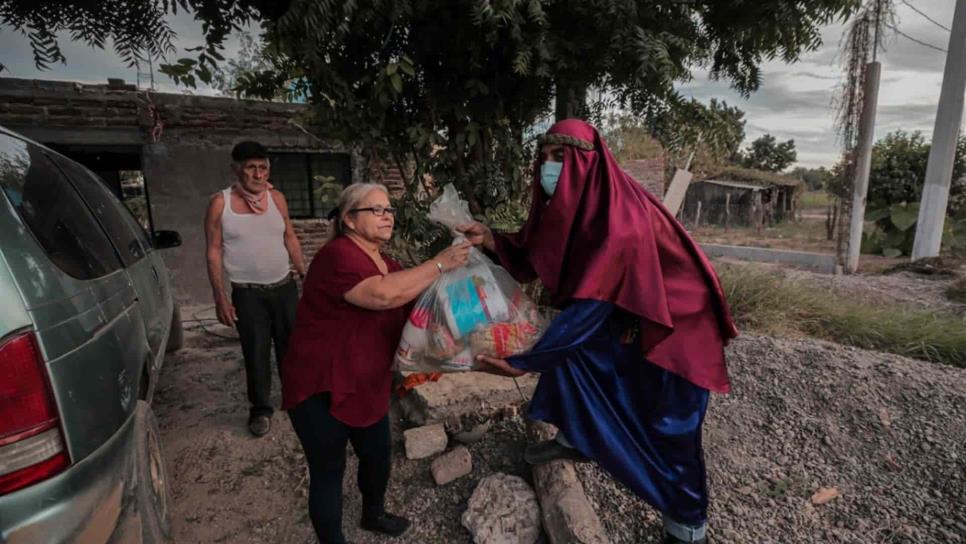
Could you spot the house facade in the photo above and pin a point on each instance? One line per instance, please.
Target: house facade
(166, 154)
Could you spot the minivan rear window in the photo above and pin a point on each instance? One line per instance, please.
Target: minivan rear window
(53, 211)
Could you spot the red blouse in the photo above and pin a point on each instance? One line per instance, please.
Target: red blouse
(338, 347)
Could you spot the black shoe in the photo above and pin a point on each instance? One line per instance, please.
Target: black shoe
(550, 450)
(386, 523)
(260, 425)
(671, 539)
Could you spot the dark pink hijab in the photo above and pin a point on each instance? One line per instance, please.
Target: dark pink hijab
(603, 237)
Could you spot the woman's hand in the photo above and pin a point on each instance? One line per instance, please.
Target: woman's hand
(478, 234)
(499, 367)
(453, 257)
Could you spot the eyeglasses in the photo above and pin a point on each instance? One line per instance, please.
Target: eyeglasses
(378, 211)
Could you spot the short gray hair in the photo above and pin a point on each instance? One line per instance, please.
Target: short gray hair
(351, 197)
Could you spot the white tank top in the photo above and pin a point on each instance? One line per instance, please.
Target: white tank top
(253, 245)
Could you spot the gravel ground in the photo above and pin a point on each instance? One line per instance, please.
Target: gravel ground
(888, 433)
(904, 287)
(232, 488)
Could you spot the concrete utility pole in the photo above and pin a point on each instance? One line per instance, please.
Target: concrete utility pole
(939, 169)
(863, 164)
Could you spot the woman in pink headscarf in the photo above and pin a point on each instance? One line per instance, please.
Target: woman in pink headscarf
(627, 366)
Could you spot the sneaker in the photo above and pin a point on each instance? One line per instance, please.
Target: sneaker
(260, 425)
(386, 523)
(550, 450)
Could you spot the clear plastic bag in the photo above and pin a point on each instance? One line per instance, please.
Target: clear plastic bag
(477, 309)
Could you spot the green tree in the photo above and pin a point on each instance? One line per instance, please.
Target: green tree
(712, 133)
(232, 76)
(898, 171)
(814, 178)
(136, 29)
(896, 178)
(629, 138)
(765, 153)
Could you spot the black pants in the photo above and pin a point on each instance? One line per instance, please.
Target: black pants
(324, 440)
(265, 316)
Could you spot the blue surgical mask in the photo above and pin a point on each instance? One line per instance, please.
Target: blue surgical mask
(549, 175)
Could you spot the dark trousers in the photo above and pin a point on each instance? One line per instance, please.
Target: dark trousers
(265, 316)
(324, 440)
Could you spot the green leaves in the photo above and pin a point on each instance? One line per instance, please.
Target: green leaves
(896, 179)
(954, 235)
(765, 153)
(904, 216)
(877, 215)
(397, 83)
(712, 132)
(137, 29)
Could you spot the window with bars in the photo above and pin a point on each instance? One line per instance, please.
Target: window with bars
(311, 182)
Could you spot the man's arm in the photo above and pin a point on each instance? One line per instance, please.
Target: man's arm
(291, 240)
(223, 307)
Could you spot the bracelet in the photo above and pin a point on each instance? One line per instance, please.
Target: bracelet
(439, 266)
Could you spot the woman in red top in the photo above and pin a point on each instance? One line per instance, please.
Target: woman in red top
(336, 376)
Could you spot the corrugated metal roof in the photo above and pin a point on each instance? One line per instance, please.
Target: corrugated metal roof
(756, 177)
(735, 184)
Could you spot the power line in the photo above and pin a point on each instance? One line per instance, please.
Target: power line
(928, 18)
(920, 42)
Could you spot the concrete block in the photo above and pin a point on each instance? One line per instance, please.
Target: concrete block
(565, 510)
(423, 442)
(452, 465)
(503, 510)
(462, 393)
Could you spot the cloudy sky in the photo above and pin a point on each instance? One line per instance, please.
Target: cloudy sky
(795, 101)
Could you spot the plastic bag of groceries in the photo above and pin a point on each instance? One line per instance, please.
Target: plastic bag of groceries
(477, 309)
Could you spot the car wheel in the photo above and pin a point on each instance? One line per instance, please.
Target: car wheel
(176, 337)
(153, 491)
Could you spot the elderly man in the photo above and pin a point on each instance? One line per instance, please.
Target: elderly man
(250, 236)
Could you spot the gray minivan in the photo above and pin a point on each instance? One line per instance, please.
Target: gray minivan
(86, 315)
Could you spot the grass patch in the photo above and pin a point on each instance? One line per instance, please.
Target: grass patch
(807, 234)
(815, 199)
(957, 291)
(770, 304)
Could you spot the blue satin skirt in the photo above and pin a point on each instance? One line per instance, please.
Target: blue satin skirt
(639, 422)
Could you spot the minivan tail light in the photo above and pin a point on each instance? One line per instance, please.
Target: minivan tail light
(31, 444)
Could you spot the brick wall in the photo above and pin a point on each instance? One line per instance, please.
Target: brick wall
(312, 233)
(388, 175)
(649, 173)
(34, 102)
(26, 102)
